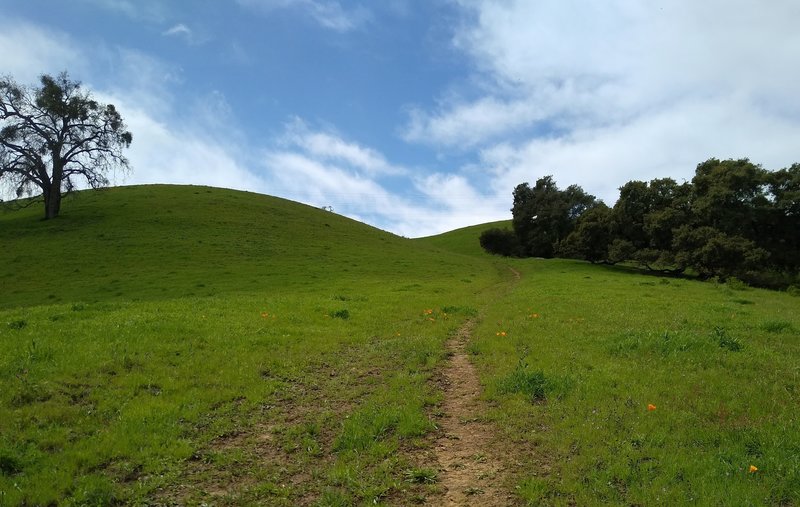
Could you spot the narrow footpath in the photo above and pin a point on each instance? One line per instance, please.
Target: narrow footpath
(470, 469)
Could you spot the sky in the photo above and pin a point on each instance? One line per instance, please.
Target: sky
(421, 116)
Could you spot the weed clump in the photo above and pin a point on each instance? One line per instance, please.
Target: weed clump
(727, 342)
(17, 324)
(9, 465)
(420, 475)
(464, 310)
(532, 384)
(343, 314)
(776, 326)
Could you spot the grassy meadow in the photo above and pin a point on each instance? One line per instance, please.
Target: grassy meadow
(187, 345)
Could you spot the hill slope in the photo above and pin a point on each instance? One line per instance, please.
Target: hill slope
(157, 241)
(186, 345)
(464, 240)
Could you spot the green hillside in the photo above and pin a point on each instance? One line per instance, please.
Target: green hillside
(171, 345)
(464, 240)
(156, 241)
(147, 324)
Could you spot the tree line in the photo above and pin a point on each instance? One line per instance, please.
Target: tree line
(733, 219)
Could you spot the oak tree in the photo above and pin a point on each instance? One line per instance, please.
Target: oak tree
(55, 135)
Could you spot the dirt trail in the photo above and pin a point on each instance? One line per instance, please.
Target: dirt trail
(470, 468)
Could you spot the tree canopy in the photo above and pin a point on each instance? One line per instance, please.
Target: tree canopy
(55, 135)
(734, 218)
(543, 215)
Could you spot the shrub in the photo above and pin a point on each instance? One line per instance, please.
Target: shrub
(500, 242)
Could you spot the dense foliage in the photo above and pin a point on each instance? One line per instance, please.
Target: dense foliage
(734, 219)
(544, 215)
(500, 241)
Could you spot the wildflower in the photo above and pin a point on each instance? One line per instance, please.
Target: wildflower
(534, 315)
(427, 312)
(650, 407)
(753, 469)
(500, 333)
(264, 315)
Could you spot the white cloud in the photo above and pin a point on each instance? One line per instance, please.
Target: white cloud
(135, 77)
(29, 51)
(327, 13)
(189, 36)
(174, 153)
(323, 169)
(330, 146)
(601, 93)
(488, 117)
(180, 30)
(665, 143)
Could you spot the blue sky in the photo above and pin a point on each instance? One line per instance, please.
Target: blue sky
(420, 116)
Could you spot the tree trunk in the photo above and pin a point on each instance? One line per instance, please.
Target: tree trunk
(52, 191)
(54, 206)
(52, 200)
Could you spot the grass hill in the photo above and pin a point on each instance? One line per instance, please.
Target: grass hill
(189, 345)
(147, 323)
(157, 241)
(464, 240)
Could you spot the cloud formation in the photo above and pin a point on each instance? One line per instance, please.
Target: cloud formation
(323, 169)
(179, 30)
(28, 51)
(331, 147)
(327, 13)
(598, 94)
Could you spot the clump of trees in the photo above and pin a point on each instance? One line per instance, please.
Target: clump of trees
(733, 219)
(54, 136)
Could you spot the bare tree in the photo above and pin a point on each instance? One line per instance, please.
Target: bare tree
(55, 135)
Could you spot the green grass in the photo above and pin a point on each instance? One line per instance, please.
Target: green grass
(464, 240)
(162, 242)
(189, 345)
(153, 338)
(587, 349)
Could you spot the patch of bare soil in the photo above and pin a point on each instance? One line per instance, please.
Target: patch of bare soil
(471, 464)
